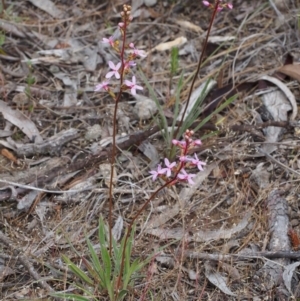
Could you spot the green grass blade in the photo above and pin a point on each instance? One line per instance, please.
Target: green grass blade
(216, 111)
(174, 60)
(102, 233)
(122, 294)
(97, 271)
(195, 111)
(71, 297)
(77, 271)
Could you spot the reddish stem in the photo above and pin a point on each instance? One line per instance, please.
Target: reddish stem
(114, 147)
(129, 229)
(199, 66)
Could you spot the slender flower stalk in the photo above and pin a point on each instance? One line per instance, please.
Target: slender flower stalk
(177, 170)
(216, 8)
(171, 172)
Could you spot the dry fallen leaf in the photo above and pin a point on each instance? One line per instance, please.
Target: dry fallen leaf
(168, 45)
(291, 70)
(288, 273)
(189, 25)
(217, 279)
(21, 121)
(289, 95)
(9, 155)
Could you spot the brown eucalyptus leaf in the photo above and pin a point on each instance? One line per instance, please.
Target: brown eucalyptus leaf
(291, 70)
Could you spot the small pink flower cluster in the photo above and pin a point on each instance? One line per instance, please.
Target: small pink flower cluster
(220, 5)
(123, 67)
(177, 170)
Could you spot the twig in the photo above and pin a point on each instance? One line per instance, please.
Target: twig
(277, 162)
(44, 190)
(236, 257)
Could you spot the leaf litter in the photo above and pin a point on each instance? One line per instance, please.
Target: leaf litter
(60, 48)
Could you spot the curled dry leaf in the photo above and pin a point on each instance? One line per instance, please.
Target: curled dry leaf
(287, 275)
(21, 121)
(290, 96)
(217, 279)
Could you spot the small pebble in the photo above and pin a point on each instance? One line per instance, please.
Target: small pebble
(145, 107)
(93, 132)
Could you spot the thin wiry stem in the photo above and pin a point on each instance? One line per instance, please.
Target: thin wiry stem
(114, 143)
(198, 67)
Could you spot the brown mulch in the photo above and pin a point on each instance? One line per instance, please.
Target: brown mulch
(235, 232)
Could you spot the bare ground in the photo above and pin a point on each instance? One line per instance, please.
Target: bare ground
(235, 232)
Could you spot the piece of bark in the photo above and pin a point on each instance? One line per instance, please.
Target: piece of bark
(270, 275)
(52, 146)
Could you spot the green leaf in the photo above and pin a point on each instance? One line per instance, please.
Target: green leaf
(94, 257)
(102, 233)
(77, 271)
(122, 294)
(134, 268)
(216, 111)
(174, 60)
(117, 257)
(195, 111)
(70, 296)
(107, 267)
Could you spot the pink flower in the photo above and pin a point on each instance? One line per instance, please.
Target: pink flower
(137, 52)
(197, 142)
(133, 86)
(184, 176)
(158, 172)
(197, 162)
(181, 144)
(129, 64)
(109, 41)
(220, 6)
(169, 167)
(103, 85)
(121, 24)
(183, 159)
(114, 69)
